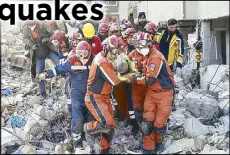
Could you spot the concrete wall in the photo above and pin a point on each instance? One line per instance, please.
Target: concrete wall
(123, 9)
(161, 10)
(206, 9)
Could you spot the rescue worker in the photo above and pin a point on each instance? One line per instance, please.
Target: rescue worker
(114, 29)
(78, 65)
(89, 35)
(38, 36)
(140, 24)
(151, 28)
(103, 31)
(61, 42)
(159, 79)
(171, 45)
(138, 90)
(128, 34)
(102, 76)
(74, 39)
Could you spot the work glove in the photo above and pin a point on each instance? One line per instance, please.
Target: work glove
(40, 77)
(135, 126)
(35, 47)
(45, 40)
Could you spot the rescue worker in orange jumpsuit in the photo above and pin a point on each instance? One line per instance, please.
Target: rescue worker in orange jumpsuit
(94, 41)
(138, 90)
(102, 76)
(157, 76)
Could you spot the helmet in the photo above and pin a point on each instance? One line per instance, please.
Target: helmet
(123, 27)
(129, 32)
(111, 44)
(103, 29)
(114, 27)
(59, 40)
(125, 21)
(151, 28)
(52, 24)
(88, 30)
(143, 43)
(74, 39)
(83, 51)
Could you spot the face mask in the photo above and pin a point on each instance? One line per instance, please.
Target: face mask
(144, 51)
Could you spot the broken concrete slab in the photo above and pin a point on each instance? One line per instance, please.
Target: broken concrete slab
(224, 127)
(200, 142)
(201, 105)
(212, 75)
(207, 149)
(193, 127)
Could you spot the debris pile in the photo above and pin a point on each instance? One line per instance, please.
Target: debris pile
(33, 125)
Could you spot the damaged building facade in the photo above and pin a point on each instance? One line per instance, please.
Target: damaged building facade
(213, 17)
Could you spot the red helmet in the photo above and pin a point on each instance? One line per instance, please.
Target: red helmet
(126, 22)
(75, 38)
(130, 32)
(151, 28)
(83, 51)
(59, 40)
(103, 29)
(114, 27)
(144, 39)
(111, 44)
(52, 24)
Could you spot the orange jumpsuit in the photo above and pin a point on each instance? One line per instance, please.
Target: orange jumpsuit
(101, 77)
(157, 105)
(138, 91)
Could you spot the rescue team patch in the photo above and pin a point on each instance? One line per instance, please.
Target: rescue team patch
(152, 67)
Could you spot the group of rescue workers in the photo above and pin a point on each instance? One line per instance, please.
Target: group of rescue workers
(93, 81)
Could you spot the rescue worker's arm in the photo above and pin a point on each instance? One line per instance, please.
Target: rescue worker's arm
(108, 74)
(58, 70)
(27, 38)
(153, 69)
(131, 19)
(179, 59)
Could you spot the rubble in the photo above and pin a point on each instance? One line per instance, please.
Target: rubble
(193, 127)
(213, 75)
(199, 125)
(201, 105)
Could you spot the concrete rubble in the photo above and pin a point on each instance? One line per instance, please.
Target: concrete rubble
(200, 124)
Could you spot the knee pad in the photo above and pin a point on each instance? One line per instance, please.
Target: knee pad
(160, 131)
(147, 127)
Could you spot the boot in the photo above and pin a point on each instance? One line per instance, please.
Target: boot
(77, 140)
(148, 151)
(105, 151)
(135, 126)
(159, 148)
(43, 94)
